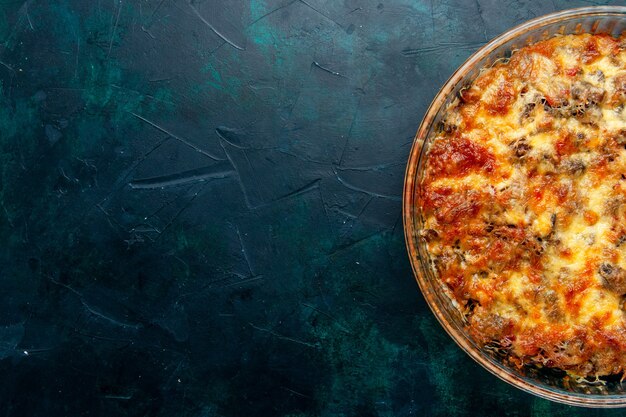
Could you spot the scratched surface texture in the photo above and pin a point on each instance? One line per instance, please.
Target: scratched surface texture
(200, 208)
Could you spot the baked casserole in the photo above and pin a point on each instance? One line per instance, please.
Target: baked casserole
(523, 200)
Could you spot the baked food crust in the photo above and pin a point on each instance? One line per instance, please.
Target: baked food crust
(524, 205)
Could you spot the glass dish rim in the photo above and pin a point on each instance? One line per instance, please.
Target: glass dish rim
(411, 231)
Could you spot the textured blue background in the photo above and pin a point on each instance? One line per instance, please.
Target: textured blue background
(200, 208)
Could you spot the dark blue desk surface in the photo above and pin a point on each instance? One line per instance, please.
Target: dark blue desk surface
(200, 208)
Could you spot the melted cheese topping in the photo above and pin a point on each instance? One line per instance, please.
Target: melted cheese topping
(524, 205)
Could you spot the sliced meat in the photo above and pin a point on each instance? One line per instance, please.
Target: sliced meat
(619, 83)
(520, 147)
(586, 93)
(573, 166)
(614, 277)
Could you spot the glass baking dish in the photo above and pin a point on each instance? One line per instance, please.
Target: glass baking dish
(545, 383)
